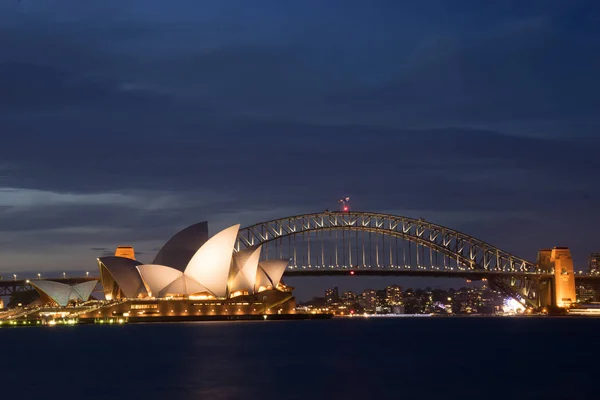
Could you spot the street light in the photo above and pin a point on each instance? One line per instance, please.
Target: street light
(14, 277)
(87, 273)
(39, 276)
(64, 274)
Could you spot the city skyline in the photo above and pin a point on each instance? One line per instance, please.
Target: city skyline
(315, 199)
(391, 299)
(252, 119)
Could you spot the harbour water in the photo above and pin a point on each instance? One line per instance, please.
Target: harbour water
(424, 358)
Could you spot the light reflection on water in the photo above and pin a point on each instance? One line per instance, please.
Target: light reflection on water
(360, 358)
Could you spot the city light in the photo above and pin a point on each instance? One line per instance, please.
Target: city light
(488, 292)
(512, 306)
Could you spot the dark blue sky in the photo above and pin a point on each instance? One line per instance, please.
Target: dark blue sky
(124, 121)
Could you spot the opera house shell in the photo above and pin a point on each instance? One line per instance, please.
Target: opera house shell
(61, 294)
(192, 271)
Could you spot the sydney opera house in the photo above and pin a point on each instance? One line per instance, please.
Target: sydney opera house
(191, 277)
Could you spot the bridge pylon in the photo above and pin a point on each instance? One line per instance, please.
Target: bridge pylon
(125, 251)
(560, 261)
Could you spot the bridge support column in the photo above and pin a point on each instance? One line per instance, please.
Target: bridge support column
(544, 293)
(564, 277)
(559, 260)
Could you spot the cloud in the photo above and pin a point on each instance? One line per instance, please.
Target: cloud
(34, 88)
(319, 69)
(124, 124)
(532, 75)
(28, 198)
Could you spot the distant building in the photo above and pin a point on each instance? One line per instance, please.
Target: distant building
(393, 295)
(349, 298)
(398, 309)
(585, 294)
(332, 296)
(368, 300)
(594, 264)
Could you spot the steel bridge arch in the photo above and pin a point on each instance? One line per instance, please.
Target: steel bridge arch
(468, 251)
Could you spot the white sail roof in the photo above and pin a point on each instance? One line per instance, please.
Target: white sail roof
(244, 265)
(158, 277)
(210, 265)
(183, 285)
(238, 261)
(62, 293)
(262, 280)
(215, 270)
(180, 249)
(274, 269)
(122, 272)
(85, 289)
(162, 280)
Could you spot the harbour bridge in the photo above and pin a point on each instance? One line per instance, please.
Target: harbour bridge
(367, 243)
(376, 244)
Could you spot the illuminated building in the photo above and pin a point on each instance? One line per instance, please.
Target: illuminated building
(206, 273)
(349, 298)
(585, 294)
(398, 309)
(60, 294)
(331, 296)
(368, 300)
(212, 280)
(381, 297)
(594, 264)
(592, 309)
(393, 295)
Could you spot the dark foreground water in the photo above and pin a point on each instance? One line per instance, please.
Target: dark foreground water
(408, 358)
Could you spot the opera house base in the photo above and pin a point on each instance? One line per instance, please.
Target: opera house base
(267, 305)
(200, 318)
(270, 303)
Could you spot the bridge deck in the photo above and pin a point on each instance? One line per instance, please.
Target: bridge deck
(474, 275)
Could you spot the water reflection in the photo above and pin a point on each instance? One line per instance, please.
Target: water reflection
(359, 358)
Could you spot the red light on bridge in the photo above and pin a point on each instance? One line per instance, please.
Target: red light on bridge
(345, 208)
(351, 272)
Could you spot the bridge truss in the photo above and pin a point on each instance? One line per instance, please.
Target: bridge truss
(371, 242)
